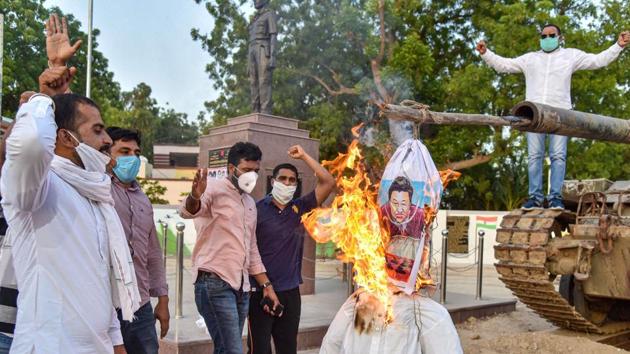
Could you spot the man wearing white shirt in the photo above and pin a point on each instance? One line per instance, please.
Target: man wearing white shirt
(63, 244)
(548, 75)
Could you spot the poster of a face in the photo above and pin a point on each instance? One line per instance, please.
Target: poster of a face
(404, 222)
(410, 182)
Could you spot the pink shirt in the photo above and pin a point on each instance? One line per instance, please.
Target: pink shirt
(226, 234)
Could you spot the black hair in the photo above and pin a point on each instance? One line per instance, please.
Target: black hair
(244, 151)
(117, 133)
(285, 166)
(67, 110)
(552, 25)
(400, 184)
(274, 174)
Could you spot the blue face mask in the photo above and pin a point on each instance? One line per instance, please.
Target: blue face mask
(127, 168)
(549, 44)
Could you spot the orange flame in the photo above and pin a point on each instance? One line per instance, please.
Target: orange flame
(352, 223)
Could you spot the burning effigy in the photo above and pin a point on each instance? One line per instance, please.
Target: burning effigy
(383, 229)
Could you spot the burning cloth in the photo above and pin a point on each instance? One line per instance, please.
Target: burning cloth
(408, 199)
(421, 326)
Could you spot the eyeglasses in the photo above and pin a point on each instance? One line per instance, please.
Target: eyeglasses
(543, 36)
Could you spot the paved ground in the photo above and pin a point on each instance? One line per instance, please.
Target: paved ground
(331, 292)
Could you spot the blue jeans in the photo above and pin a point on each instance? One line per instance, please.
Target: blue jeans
(400, 131)
(5, 343)
(224, 311)
(558, 157)
(140, 336)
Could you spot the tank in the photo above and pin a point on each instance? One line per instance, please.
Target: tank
(572, 266)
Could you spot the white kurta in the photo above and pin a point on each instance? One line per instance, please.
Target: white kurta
(548, 75)
(420, 326)
(60, 247)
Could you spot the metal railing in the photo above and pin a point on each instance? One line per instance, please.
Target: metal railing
(179, 269)
(444, 268)
(164, 225)
(481, 235)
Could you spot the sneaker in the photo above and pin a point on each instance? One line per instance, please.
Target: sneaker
(531, 204)
(556, 204)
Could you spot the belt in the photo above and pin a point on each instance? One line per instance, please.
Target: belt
(201, 274)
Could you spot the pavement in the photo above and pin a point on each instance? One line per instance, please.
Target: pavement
(330, 293)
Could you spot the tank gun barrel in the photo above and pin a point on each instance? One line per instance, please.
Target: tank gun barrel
(525, 116)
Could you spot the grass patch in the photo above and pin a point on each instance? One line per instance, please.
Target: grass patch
(171, 242)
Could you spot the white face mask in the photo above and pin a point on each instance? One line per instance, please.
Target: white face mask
(93, 160)
(247, 181)
(282, 193)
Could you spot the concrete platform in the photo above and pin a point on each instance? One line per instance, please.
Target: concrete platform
(318, 310)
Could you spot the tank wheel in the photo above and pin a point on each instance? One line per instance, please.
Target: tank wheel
(595, 311)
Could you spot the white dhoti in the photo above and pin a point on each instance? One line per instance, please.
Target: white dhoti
(420, 325)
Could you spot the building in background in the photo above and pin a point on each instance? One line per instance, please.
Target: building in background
(173, 167)
(175, 161)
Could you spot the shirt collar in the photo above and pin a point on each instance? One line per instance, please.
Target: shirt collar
(135, 186)
(268, 200)
(231, 185)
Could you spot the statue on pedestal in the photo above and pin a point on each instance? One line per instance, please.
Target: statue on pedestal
(261, 57)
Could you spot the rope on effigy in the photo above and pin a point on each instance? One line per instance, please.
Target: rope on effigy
(423, 108)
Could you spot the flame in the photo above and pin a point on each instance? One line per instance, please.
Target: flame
(352, 223)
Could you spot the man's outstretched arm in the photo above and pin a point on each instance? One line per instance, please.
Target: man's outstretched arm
(325, 181)
(589, 61)
(30, 148)
(499, 63)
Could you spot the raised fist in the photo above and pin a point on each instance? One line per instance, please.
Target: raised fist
(481, 47)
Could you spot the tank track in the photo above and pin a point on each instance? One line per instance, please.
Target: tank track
(522, 253)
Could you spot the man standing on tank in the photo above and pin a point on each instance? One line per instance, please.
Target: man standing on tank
(548, 75)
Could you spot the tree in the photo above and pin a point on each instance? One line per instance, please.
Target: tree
(337, 57)
(174, 128)
(139, 110)
(25, 56)
(154, 191)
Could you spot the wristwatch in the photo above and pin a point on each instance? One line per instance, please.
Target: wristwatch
(266, 285)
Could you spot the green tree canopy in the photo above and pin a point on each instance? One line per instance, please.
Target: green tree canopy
(25, 59)
(338, 57)
(25, 55)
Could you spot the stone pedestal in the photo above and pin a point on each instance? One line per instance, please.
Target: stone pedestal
(274, 135)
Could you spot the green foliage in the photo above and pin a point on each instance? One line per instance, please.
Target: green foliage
(25, 55)
(153, 190)
(157, 125)
(25, 59)
(325, 76)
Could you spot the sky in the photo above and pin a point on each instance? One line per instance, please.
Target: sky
(149, 41)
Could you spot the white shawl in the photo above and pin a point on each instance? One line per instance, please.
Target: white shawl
(96, 187)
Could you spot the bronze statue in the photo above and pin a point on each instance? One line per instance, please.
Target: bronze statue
(261, 59)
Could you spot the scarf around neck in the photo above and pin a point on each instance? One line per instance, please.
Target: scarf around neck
(96, 187)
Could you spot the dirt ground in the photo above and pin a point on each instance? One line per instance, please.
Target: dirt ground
(524, 332)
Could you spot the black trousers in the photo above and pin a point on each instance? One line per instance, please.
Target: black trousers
(284, 329)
